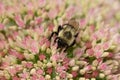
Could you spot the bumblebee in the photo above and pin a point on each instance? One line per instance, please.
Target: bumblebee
(66, 34)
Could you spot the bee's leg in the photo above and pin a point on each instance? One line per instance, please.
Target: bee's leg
(56, 39)
(76, 35)
(59, 28)
(52, 35)
(72, 43)
(69, 46)
(66, 48)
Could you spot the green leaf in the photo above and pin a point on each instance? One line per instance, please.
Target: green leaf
(11, 22)
(70, 52)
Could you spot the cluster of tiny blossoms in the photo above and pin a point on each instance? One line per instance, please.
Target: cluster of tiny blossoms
(27, 54)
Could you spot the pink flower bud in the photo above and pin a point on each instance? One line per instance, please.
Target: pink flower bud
(52, 13)
(49, 70)
(63, 75)
(42, 56)
(1, 26)
(15, 78)
(40, 71)
(95, 74)
(74, 73)
(19, 21)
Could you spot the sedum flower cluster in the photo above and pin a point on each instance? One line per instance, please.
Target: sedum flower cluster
(27, 54)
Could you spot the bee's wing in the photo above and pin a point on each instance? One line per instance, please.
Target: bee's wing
(74, 23)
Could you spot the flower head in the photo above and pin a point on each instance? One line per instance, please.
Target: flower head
(26, 52)
(42, 56)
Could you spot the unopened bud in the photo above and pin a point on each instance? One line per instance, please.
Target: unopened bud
(81, 63)
(48, 50)
(93, 68)
(69, 75)
(57, 78)
(33, 71)
(49, 64)
(72, 62)
(95, 63)
(54, 63)
(93, 79)
(75, 68)
(47, 77)
(32, 56)
(82, 78)
(27, 56)
(82, 71)
(39, 63)
(101, 75)
(105, 54)
(43, 48)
